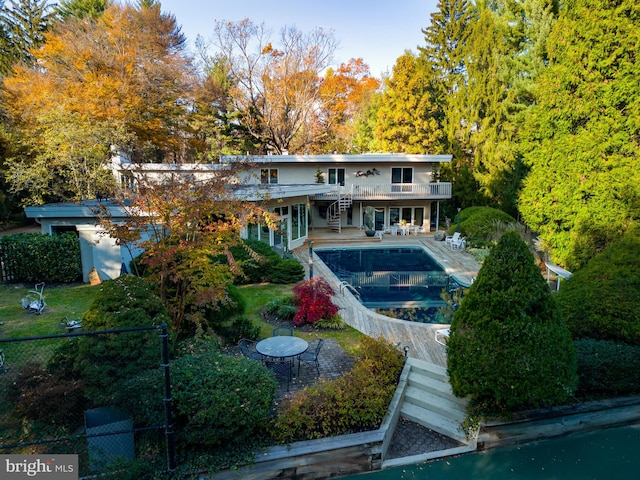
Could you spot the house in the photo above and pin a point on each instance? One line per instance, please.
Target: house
(401, 188)
(306, 191)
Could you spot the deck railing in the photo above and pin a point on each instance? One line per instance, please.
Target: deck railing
(391, 191)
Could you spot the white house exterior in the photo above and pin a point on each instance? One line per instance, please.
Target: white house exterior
(400, 187)
(306, 191)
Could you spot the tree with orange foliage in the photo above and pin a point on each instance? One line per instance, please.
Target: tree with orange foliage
(343, 93)
(121, 78)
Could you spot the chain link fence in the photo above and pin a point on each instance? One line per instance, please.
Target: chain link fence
(102, 395)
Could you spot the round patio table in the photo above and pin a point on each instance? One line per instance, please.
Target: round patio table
(282, 346)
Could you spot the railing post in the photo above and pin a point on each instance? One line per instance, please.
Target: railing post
(169, 432)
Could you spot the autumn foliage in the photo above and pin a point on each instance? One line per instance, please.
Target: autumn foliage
(313, 298)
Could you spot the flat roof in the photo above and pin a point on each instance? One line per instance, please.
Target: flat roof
(363, 158)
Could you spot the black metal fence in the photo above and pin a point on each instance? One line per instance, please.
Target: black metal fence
(90, 394)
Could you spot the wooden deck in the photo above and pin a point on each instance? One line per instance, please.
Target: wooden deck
(418, 337)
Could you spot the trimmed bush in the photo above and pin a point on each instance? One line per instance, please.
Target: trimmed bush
(33, 257)
(509, 348)
(607, 369)
(286, 271)
(101, 361)
(221, 402)
(602, 300)
(477, 223)
(357, 401)
(260, 263)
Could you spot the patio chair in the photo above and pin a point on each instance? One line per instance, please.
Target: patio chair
(281, 367)
(282, 332)
(441, 335)
(458, 244)
(248, 349)
(449, 239)
(311, 355)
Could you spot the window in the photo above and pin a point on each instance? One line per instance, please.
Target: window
(402, 178)
(268, 175)
(336, 176)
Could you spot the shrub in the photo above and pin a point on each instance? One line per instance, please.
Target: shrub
(286, 271)
(313, 298)
(509, 348)
(221, 312)
(478, 223)
(280, 308)
(357, 401)
(602, 300)
(607, 369)
(334, 323)
(32, 257)
(48, 398)
(220, 401)
(102, 360)
(240, 327)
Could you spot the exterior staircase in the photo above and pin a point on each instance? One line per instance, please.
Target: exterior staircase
(334, 212)
(428, 401)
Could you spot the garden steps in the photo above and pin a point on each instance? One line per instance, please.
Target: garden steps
(429, 401)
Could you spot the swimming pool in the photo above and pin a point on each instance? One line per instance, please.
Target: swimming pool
(400, 282)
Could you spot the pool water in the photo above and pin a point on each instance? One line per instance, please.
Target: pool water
(402, 283)
(605, 454)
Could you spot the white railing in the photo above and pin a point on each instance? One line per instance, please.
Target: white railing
(399, 279)
(391, 191)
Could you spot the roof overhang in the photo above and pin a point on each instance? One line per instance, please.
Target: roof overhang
(365, 158)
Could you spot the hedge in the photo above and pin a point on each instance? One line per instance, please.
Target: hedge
(33, 257)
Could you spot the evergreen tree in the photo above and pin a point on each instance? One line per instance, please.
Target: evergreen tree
(583, 135)
(81, 8)
(25, 23)
(409, 116)
(509, 349)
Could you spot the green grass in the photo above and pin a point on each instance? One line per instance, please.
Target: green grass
(258, 295)
(69, 301)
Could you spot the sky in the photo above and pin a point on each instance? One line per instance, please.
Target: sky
(378, 31)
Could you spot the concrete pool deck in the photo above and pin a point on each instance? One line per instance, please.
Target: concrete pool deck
(418, 337)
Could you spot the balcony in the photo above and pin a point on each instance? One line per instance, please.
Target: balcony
(391, 191)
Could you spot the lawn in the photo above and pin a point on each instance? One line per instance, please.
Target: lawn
(257, 295)
(69, 301)
(72, 301)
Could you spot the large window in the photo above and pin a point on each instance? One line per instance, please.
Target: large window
(336, 176)
(298, 221)
(269, 175)
(402, 179)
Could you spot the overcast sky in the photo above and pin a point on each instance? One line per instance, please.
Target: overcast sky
(378, 31)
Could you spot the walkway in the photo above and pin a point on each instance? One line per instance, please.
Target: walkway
(418, 337)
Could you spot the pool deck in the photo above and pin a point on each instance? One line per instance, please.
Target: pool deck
(418, 337)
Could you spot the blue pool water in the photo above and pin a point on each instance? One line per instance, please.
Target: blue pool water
(400, 282)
